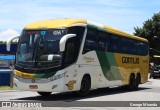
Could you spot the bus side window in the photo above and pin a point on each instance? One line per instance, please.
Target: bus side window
(124, 45)
(115, 43)
(91, 41)
(142, 48)
(101, 41)
(107, 42)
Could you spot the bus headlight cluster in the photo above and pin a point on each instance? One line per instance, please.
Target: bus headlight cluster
(57, 77)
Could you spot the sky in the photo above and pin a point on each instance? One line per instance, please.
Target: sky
(121, 14)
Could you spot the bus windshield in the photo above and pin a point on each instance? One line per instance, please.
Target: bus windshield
(39, 48)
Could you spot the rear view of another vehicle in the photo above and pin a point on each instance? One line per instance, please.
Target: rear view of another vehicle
(156, 73)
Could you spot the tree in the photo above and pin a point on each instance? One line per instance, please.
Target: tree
(151, 31)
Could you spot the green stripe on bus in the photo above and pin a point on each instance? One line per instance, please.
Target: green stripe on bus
(47, 75)
(97, 28)
(109, 65)
(39, 76)
(114, 66)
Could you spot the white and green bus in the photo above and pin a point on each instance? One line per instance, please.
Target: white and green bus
(63, 55)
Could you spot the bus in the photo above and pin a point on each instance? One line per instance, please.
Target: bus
(63, 55)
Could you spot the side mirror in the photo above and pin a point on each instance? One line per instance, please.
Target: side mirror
(8, 44)
(63, 41)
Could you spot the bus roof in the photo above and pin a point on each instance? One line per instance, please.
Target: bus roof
(54, 23)
(62, 23)
(121, 33)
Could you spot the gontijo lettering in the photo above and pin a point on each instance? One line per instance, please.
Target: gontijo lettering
(130, 60)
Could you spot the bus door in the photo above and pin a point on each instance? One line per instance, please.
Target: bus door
(71, 55)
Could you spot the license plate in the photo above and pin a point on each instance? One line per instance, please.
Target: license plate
(33, 86)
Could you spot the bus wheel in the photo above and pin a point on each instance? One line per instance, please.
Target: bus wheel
(131, 85)
(137, 81)
(44, 93)
(85, 86)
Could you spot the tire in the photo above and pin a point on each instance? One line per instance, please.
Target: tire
(85, 87)
(44, 93)
(131, 85)
(137, 81)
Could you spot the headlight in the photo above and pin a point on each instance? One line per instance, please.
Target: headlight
(57, 77)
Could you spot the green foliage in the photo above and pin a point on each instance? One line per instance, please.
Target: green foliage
(1, 42)
(5, 88)
(150, 31)
(4, 42)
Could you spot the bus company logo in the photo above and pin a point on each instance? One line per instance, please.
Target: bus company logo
(130, 60)
(88, 59)
(71, 84)
(58, 32)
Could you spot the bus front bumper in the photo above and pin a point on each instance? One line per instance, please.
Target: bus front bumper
(37, 85)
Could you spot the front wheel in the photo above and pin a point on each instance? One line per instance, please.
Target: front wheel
(85, 87)
(44, 93)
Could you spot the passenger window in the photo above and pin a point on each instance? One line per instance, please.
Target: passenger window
(91, 41)
(102, 41)
(115, 43)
